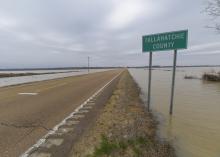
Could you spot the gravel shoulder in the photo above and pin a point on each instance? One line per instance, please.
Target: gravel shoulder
(124, 128)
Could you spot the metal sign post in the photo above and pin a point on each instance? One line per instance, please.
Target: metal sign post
(149, 81)
(160, 42)
(173, 82)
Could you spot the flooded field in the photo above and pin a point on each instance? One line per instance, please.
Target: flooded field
(194, 129)
(54, 74)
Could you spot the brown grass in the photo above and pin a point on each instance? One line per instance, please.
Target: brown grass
(211, 76)
(2, 75)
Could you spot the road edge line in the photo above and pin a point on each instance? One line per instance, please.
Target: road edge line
(55, 128)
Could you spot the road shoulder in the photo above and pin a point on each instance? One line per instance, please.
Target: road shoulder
(123, 128)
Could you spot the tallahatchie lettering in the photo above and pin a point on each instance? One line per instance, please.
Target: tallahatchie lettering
(165, 41)
(166, 37)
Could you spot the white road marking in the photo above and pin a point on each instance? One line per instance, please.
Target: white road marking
(83, 111)
(27, 93)
(50, 142)
(72, 122)
(64, 130)
(40, 155)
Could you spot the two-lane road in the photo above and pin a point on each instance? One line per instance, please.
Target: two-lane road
(28, 111)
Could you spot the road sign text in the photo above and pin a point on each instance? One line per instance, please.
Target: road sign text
(165, 41)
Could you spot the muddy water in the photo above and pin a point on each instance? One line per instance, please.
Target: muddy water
(194, 129)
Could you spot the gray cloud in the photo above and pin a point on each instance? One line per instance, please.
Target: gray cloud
(51, 33)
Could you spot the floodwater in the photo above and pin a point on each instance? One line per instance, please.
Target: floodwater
(7, 81)
(194, 128)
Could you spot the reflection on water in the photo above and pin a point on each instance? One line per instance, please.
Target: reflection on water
(194, 129)
(7, 81)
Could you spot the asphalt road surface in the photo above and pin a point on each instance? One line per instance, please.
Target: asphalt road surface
(29, 111)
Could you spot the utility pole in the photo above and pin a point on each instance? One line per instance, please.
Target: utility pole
(88, 65)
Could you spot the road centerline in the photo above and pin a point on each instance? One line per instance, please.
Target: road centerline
(27, 93)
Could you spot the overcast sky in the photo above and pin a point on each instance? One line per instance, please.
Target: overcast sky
(60, 33)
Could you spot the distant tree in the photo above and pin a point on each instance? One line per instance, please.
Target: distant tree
(213, 10)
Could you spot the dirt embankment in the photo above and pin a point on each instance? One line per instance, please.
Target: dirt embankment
(124, 129)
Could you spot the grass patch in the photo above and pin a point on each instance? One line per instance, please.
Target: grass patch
(211, 76)
(108, 147)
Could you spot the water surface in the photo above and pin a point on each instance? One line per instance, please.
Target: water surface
(7, 81)
(194, 128)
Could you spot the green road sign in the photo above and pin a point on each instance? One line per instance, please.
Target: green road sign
(165, 41)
